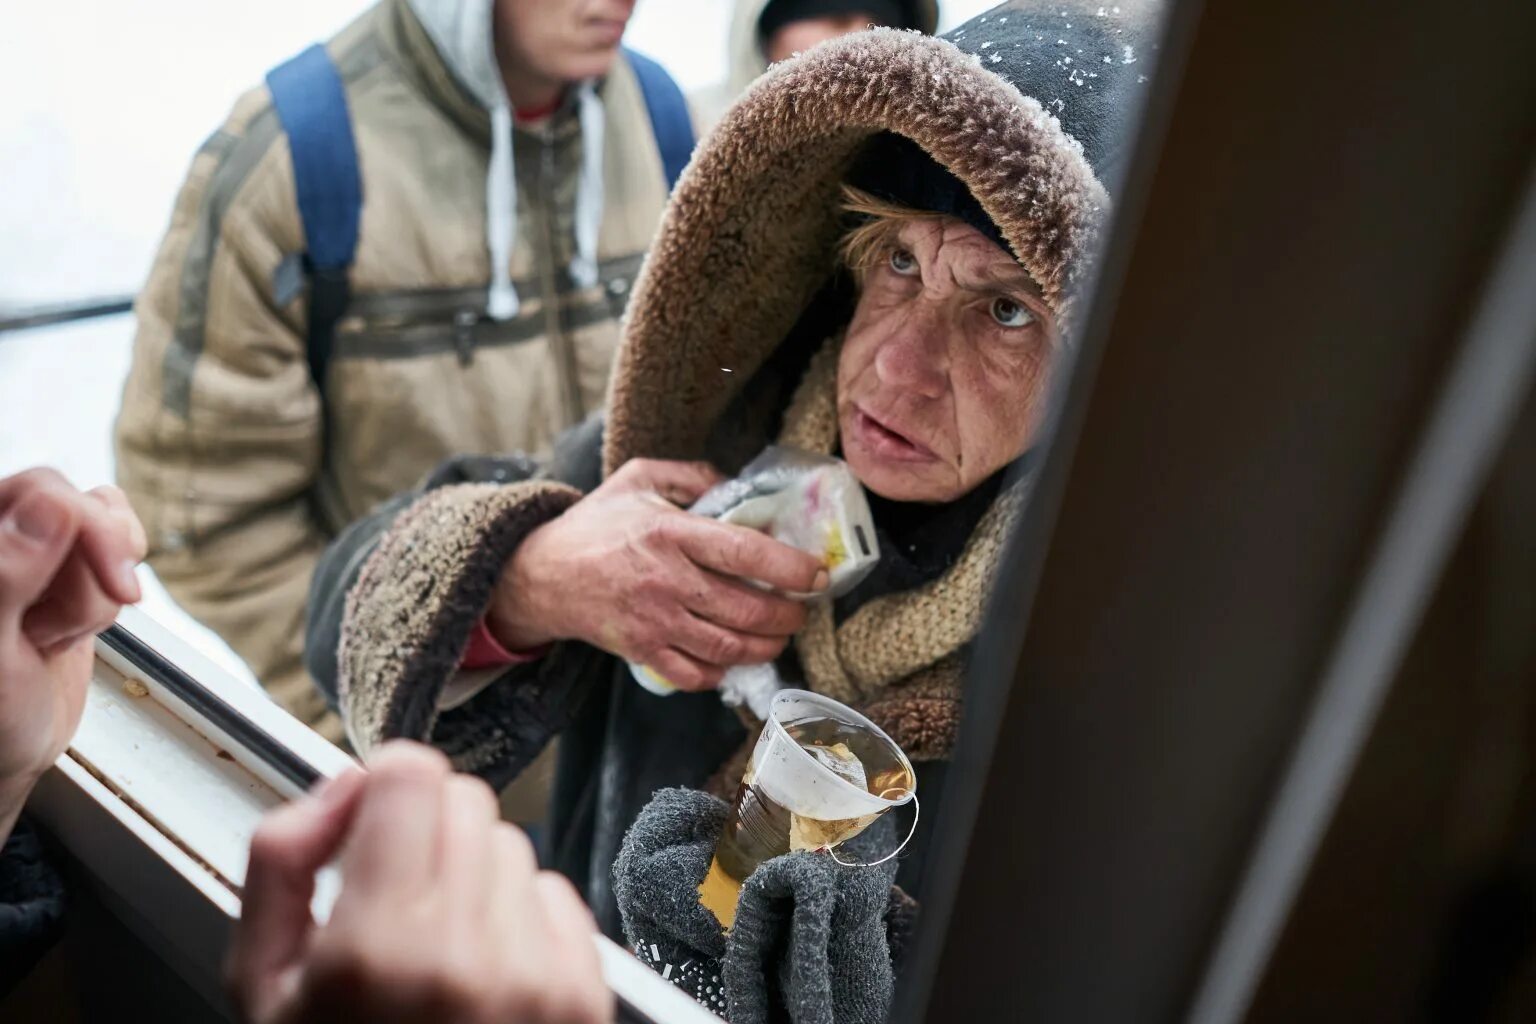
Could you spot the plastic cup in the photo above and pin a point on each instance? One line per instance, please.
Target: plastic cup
(791, 799)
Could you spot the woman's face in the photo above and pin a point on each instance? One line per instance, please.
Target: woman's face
(944, 364)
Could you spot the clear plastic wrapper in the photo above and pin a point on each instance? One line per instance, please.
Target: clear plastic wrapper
(808, 501)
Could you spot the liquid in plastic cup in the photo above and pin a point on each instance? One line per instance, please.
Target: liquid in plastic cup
(796, 797)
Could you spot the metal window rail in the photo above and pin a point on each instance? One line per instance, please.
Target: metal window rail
(28, 317)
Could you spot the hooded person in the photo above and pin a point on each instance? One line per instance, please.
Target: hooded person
(511, 180)
(876, 255)
(763, 31)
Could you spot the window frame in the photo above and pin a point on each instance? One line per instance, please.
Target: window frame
(174, 764)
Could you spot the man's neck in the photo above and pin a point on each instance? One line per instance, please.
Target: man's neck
(531, 93)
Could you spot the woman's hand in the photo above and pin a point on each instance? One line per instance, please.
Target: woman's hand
(443, 914)
(66, 569)
(627, 570)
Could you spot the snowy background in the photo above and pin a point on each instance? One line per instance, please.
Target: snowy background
(105, 104)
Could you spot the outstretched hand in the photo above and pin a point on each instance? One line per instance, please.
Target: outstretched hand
(443, 914)
(67, 563)
(628, 570)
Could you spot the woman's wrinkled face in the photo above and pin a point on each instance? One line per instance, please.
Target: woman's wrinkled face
(944, 366)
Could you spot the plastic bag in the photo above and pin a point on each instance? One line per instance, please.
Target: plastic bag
(808, 501)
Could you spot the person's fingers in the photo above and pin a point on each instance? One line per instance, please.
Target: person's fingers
(290, 845)
(106, 538)
(470, 812)
(74, 605)
(716, 645)
(16, 485)
(512, 865)
(743, 608)
(684, 671)
(737, 551)
(121, 510)
(681, 483)
(579, 994)
(509, 895)
(102, 519)
(392, 849)
(37, 531)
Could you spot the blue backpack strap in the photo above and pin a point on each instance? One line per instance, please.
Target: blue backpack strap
(670, 122)
(311, 103)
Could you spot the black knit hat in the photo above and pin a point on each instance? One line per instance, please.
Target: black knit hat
(1079, 60)
(895, 168)
(778, 13)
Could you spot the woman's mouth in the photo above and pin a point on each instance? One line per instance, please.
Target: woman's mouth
(883, 442)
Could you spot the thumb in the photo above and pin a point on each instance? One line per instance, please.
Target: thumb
(291, 844)
(681, 483)
(35, 537)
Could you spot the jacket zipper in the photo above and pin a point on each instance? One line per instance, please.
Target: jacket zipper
(561, 346)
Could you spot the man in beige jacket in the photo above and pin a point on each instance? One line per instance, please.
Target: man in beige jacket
(464, 332)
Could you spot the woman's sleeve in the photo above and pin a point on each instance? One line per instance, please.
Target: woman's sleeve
(31, 905)
(398, 596)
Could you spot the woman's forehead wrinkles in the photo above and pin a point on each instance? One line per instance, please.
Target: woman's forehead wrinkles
(970, 259)
(1009, 275)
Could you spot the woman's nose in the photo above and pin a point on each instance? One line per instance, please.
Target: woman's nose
(915, 355)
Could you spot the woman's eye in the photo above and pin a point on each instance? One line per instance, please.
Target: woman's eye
(1011, 314)
(903, 262)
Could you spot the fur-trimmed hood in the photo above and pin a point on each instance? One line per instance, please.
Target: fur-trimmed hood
(1023, 104)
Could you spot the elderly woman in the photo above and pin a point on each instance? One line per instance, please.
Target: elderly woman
(872, 256)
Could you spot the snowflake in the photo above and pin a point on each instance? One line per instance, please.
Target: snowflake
(1129, 57)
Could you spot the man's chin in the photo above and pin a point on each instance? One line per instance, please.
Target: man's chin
(592, 63)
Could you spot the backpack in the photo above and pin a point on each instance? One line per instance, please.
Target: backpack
(311, 103)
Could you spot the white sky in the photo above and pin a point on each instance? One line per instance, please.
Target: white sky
(104, 105)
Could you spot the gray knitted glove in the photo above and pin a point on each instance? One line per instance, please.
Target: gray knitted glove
(809, 945)
(656, 877)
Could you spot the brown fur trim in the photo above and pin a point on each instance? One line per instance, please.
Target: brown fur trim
(922, 713)
(750, 232)
(409, 616)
